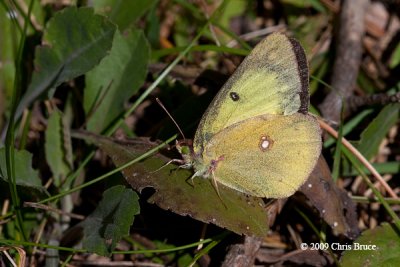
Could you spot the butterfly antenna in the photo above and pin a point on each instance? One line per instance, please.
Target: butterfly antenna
(169, 115)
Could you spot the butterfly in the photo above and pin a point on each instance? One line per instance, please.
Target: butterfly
(256, 136)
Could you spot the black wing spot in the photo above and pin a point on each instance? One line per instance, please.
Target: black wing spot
(234, 96)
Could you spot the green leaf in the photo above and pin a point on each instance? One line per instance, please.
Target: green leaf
(115, 79)
(153, 28)
(123, 12)
(24, 173)
(56, 148)
(316, 4)
(390, 167)
(111, 220)
(377, 130)
(386, 252)
(395, 60)
(7, 53)
(75, 41)
(234, 9)
(349, 126)
(306, 4)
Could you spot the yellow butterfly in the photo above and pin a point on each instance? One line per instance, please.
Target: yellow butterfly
(256, 136)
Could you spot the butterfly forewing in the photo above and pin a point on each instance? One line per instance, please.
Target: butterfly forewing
(270, 80)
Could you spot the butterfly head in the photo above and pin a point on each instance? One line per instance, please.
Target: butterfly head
(186, 150)
(194, 160)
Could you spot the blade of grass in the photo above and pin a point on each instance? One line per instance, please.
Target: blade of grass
(26, 118)
(204, 251)
(362, 199)
(168, 250)
(67, 260)
(194, 11)
(32, 244)
(10, 12)
(338, 150)
(10, 137)
(392, 167)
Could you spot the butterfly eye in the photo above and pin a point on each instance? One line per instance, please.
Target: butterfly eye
(234, 96)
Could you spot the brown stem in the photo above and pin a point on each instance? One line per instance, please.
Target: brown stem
(348, 57)
(243, 254)
(355, 102)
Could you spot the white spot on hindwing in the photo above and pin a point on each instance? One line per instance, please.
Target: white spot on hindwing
(265, 143)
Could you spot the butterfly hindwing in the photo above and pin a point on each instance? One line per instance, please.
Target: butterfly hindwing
(267, 156)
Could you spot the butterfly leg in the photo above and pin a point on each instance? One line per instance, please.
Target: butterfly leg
(191, 178)
(215, 185)
(211, 170)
